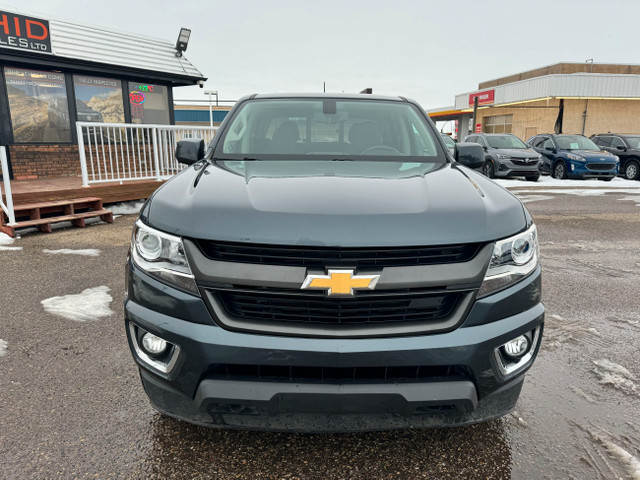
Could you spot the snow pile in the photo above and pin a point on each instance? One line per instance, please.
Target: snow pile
(90, 304)
(3, 347)
(90, 252)
(617, 376)
(6, 241)
(126, 208)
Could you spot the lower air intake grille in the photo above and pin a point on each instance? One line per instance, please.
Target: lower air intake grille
(287, 373)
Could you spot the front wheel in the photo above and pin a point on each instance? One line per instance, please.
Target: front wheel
(632, 170)
(488, 169)
(533, 178)
(560, 170)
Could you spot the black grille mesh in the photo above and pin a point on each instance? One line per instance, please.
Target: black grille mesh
(335, 257)
(371, 308)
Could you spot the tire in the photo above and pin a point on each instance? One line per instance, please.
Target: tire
(533, 178)
(632, 170)
(559, 170)
(488, 169)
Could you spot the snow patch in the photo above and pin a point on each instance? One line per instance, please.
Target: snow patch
(4, 248)
(3, 347)
(5, 239)
(630, 463)
(616, 375)
(534, 198)
(581, 393)
(90, 252)
(90, 304)
(548, 181)
(631, 198)
(126, 208)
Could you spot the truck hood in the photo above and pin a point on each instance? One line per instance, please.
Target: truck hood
(327, 206)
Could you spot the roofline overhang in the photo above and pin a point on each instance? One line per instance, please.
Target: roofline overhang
(53, 61)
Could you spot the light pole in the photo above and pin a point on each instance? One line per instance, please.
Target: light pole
(211, 92)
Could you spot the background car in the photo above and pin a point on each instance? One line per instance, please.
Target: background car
(626, 147)
(448, 141)
(507, 156)
(573, 156)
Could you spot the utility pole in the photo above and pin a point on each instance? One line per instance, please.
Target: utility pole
(475, 113)
(211, 92)
(586, 103)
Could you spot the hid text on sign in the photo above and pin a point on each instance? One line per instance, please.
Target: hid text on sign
(24, 33)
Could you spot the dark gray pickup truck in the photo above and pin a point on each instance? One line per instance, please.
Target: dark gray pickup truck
(328, 265)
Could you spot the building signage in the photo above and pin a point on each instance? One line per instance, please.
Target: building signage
(24, 33)
(484, 98)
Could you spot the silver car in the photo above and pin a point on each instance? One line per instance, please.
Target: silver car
(507, 156)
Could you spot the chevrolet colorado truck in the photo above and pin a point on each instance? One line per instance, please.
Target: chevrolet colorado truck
(326, 264)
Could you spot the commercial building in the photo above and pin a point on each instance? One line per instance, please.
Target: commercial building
(583, 98)
(54, 73)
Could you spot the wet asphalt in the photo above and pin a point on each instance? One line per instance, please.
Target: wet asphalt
(72, 406)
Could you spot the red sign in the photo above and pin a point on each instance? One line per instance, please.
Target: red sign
(136, 98)
(24, 33)
(484, 98)
(479, 128)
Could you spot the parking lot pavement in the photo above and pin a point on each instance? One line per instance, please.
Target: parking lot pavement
(72, 406)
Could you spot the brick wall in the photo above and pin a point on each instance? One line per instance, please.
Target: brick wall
(44, 161)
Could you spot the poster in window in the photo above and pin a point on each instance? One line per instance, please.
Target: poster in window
(98, 99)
(38, 106)
(149, 103)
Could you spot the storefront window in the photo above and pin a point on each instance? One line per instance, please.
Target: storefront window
(497, 124)
(149, 103)
(38, 105)
(98, 99)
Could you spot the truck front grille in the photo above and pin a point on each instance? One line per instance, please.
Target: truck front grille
(315, 308)
(334, 256)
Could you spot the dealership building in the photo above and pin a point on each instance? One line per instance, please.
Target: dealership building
(54, 73)
(575, 98)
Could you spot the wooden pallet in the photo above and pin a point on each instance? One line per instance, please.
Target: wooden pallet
(62, 210)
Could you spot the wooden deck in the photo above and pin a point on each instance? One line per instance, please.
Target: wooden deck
(66, 188)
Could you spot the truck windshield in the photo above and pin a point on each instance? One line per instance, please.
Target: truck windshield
(328, 129)
(505, 141)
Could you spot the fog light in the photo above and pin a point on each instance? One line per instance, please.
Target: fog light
(517, 347)
(153, 345)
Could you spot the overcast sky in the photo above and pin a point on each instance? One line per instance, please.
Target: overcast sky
(426, 50)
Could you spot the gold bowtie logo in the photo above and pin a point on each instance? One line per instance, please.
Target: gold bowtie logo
(340, 282)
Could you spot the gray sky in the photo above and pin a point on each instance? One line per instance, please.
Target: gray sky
(426, 50)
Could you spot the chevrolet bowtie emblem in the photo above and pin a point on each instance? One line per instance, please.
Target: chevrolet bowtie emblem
(340, 282)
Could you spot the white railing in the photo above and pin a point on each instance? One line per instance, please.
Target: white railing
(6, 199)
(116, 152)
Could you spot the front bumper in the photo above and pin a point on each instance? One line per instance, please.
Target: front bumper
(507, 168)
(195, 391)
(581, 170)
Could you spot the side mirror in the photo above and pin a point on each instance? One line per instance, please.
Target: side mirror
(190, 150)
(550, 149)
(622, 148)
(469, 154)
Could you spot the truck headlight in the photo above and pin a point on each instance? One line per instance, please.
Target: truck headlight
(162, 256)
(578, 158)
(512, 260)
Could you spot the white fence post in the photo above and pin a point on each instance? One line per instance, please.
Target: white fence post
(8, 207)
(83, 155)
(156, 156)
